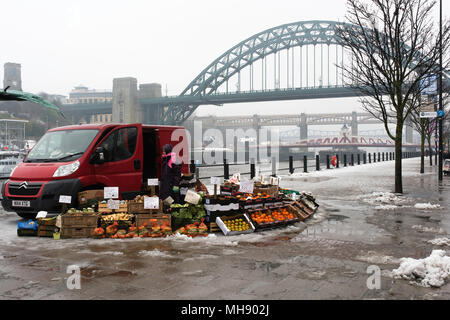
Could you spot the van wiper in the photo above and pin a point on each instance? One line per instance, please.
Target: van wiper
(69, 156)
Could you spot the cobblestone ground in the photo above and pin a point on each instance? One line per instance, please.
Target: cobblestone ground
(325, 257)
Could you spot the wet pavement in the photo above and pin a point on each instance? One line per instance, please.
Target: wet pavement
(325, 257)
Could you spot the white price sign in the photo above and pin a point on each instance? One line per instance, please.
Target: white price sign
(65, 199)
(246, 186)
(41, 214)
(111, 192)
(151, 203)
(215, 180)
(153, 182)
(113, 204)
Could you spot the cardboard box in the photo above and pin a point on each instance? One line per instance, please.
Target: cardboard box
(90, 196)
(220, 223)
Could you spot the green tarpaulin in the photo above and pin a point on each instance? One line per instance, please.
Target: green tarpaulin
(13, 95)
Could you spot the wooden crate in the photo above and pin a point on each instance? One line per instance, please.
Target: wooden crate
(138, 208)
(89, 197)
(46, 231)
(301, 207)
(103, 208)
(160, 217)
(79, 220)
(213, 227)
(76, 232)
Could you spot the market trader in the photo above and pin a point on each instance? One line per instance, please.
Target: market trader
(170, 175)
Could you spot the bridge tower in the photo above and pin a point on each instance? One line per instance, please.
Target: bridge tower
(126, 107)
(150, 114)
(12, 76)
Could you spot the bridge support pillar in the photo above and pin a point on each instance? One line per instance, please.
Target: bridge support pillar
(303, 127)
(354, 124)
(408, 131)
(126, 107)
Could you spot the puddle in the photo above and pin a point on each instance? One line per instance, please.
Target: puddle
(337, 217)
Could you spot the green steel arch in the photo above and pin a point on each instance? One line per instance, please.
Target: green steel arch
(245, 53)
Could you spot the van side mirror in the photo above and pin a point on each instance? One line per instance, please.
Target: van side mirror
(98, 156)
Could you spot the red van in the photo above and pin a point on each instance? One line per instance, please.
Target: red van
(71, 159)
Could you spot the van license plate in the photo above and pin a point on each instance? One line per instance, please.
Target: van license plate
(19, 203)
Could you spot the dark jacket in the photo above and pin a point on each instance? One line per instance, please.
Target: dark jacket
(170, 177)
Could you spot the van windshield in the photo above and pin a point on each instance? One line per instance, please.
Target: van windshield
(66, 145)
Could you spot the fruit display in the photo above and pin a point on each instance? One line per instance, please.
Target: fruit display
(273, 216)
(237, 224)
(139, 199)
(117, 217)
(187, 213)
(196, 229)
(80, 211)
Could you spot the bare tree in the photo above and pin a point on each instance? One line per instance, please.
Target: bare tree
(394, 47)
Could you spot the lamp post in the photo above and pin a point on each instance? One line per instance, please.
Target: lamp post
(441, 175)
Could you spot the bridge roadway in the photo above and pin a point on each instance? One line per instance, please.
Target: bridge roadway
(284, 120)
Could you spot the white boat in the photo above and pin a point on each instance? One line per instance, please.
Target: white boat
(8, 161)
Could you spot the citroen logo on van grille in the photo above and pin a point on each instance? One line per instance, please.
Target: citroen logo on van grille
(23, 185)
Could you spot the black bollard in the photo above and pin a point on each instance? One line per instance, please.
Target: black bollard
(379, 156)
(192, 166)
(252, 169)
(345, 160)
(352, 159)
(317, 163)
(337, 161)
(226, 170)
(359, 159)
(291, 164)
(370, 158)
(382, 156)
(374, 157)
(305, 164)
(328, 161)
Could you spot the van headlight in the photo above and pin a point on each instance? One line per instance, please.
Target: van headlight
(67, 169)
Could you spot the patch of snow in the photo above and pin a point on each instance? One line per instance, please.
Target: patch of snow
(427, 229)
(374, 258)
(111, 253)
(154, 253)
(426, 206)
(229, 252)
(440, 241)
(429, 272)
(384, 198)
(202, 256)
(386, 207)
(191, 273)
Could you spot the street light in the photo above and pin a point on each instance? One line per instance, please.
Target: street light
(441, 175)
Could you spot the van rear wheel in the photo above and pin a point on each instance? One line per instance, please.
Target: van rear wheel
(26, 215)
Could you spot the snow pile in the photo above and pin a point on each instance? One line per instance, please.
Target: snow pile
(440, 241)
(426, 206)
(428, 272)
(384, 200)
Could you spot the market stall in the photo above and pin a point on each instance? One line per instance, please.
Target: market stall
(236, 207)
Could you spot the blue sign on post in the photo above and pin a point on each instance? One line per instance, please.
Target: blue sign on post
(440, 113)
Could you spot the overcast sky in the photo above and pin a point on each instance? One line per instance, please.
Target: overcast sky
(61, 44)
